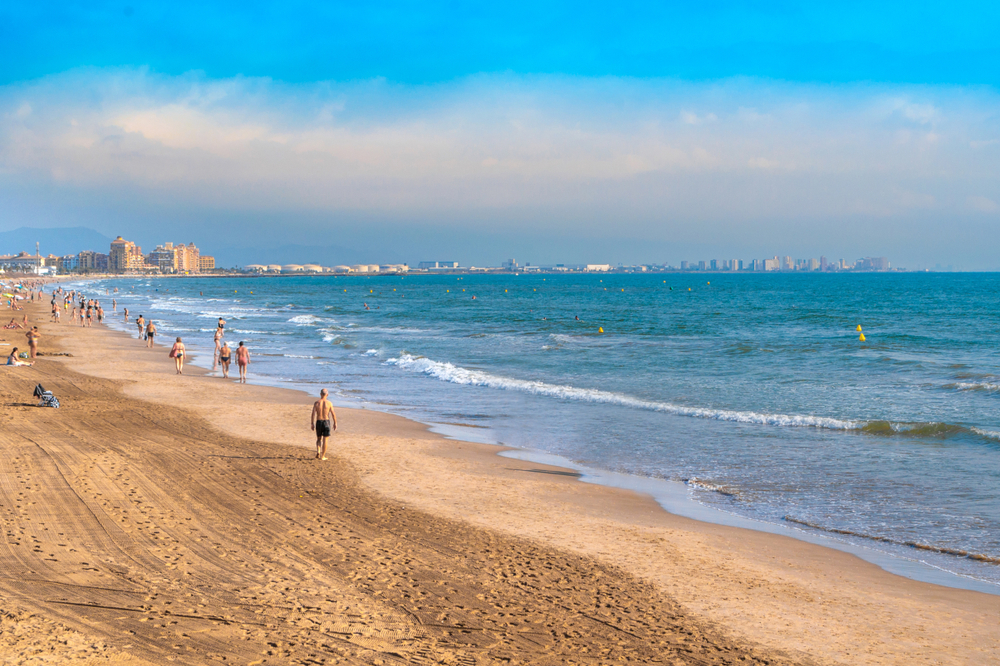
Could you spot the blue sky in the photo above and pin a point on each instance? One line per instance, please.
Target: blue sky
(553, 131)
(423, 42)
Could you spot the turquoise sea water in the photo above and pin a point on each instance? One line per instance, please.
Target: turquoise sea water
(753, 390)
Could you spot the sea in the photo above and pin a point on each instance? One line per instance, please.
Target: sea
(753, 393)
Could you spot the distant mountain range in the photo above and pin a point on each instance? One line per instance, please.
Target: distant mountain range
(70, 240)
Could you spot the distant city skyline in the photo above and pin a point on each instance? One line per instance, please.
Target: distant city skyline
(127, 257)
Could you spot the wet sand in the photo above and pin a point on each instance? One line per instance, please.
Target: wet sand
(158, 518)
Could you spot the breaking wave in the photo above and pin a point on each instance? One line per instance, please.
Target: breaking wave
(457, 375)
(454, 374)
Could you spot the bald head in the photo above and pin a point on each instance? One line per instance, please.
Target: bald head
(322, 393)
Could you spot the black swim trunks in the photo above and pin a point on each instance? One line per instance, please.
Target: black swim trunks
(322, 428)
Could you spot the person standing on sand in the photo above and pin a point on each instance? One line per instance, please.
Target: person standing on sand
(242, 361)
(150, 333)
(225, 356)
(177, 353)
(320, 421)
(33, 336)
(219, 332)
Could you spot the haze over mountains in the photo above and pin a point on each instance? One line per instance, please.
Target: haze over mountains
(59, 241)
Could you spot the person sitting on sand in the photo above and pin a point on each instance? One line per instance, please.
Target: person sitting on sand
(320, 421)
(177, 353)
(242, 361)
(13, 324)
(14, 360)
(150, 332)
(225, 356)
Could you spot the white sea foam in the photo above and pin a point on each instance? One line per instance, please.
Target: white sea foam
(457, 375)
(305, 319)
(975, 386)
(372, 352)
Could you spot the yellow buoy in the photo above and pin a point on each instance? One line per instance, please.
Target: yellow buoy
(447, 291)
(862, 338)
(600, 330)
(708, 283)
(858, 329)
(623, 290)
(689, 288)
(505, 291)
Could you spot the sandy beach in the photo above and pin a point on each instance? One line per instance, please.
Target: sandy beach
(159, 518)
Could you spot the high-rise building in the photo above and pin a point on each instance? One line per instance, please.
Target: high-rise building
(715, 264)
(164, 258)
(124, 256)
(206, 263)
(813, 265)
(772, 264)
(685, 265)
(701, 265)
(188, 258)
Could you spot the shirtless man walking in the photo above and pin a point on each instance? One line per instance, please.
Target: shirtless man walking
(320, 421)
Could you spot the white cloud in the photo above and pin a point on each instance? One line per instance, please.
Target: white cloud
(983, 204)
(543, 144)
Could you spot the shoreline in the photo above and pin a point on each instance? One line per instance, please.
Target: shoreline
(139, 532)
(749, 561)
(671, 496)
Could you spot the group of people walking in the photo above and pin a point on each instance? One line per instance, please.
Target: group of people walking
(222, 356)
(323, 420)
